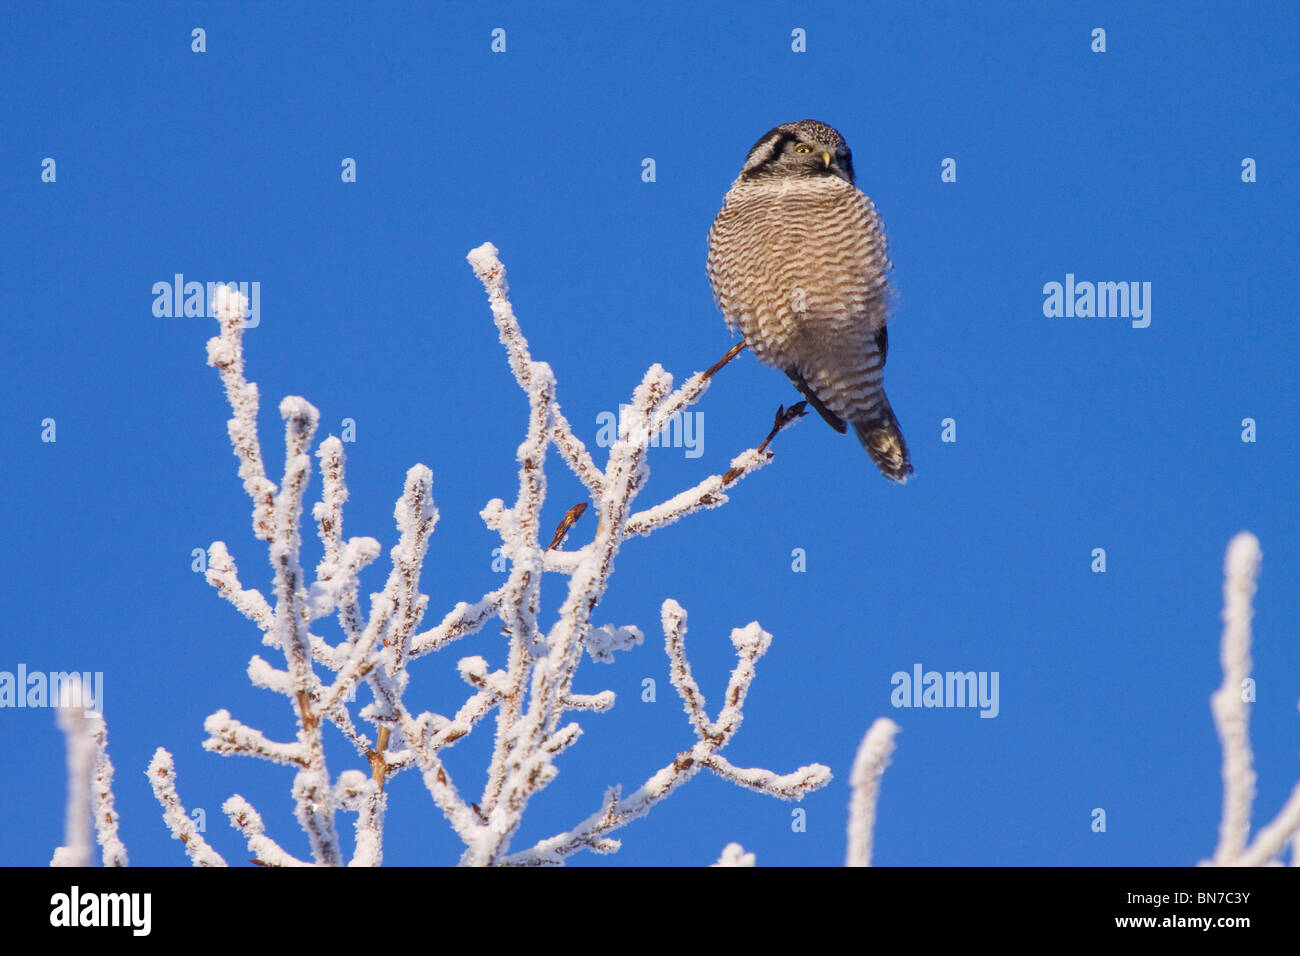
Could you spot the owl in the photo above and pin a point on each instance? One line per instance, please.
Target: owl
(798, 265)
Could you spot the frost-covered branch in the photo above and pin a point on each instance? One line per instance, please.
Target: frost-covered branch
(713, 735)
(529, 690)
(102, 802)
(266, 852)
(868, 767)
(532, 691)
(733, 854)
(90, 782)
(226, 354)
(540, 668)
(79, 731)
(1229, 702)
(1230, 705)
(162, 777)
(492, 274)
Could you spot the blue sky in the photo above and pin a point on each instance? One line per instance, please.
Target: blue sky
(1072, 433)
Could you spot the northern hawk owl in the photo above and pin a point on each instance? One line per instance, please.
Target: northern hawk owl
(798, 264)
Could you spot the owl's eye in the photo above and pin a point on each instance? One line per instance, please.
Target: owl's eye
(803, 148)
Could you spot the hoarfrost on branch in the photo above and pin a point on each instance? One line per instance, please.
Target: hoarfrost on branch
(531, 695)
(528, 698)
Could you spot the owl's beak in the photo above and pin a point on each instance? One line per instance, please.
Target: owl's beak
(826, 158)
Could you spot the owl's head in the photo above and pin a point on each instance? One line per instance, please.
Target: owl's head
(804, 149)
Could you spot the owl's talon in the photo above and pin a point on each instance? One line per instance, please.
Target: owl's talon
(784, 418)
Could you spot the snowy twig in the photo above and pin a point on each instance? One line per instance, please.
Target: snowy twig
(162, 776)
(79, 731)
(1272, 839)
(227, 355)
(615, 812)
(533, 692)
(90, 782)
(461, 621)
(492, 274)
(266, 852)
(1230, 707)
(872, 759)
(366, 798)
(1231, 711)
(733, 854)
(103, 803)
(224, 576)
(528, 721)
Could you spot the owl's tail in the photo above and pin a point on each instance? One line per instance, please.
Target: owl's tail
(880, 435)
